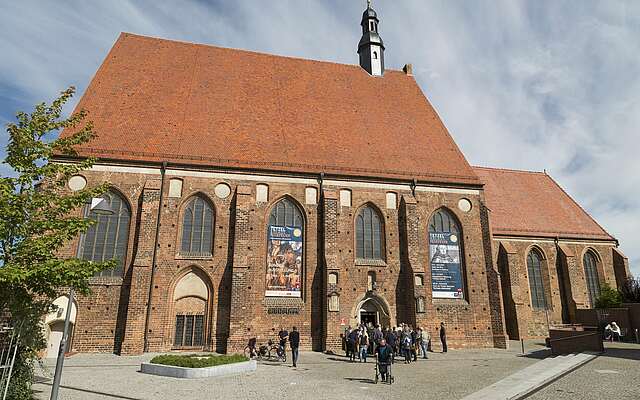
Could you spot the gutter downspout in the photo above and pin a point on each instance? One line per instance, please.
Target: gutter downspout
(163, 168)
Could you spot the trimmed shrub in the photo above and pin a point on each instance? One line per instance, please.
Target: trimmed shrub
(609, 297)
(197, 361)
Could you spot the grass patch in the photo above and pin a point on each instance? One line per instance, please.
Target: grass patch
(197, 361)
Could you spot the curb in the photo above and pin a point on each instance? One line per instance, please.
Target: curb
(193, 373)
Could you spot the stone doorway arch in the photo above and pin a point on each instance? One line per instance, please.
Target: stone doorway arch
(371, 308)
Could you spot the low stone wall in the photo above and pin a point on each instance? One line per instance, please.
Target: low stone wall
(575, 339)
(191, 373)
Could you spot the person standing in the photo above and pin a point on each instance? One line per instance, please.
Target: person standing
(364, 346)
(283, 335)
(424, 342)
(294, 342)
(383, 354)
(443, 337)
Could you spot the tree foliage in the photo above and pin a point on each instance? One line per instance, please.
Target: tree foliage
(40, 217)
(608, 298)
(630, 290)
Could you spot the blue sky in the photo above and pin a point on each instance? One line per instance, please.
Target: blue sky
(534, 85)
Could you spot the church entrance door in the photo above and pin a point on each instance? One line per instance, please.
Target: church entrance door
(367, 317)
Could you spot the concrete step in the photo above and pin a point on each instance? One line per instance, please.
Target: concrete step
(525, 381)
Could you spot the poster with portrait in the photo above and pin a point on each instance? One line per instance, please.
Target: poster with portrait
(446, 275)
(284, 261)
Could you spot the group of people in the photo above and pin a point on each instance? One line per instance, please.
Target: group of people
(404, 340)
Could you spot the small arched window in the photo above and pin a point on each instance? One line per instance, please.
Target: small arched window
(107, 239)
(375, 55)
(591, 275)
(334, 302)
(369, 234)
(446, 254)
(420, 304)
(285, 256)
(197, 228)
(536, 283)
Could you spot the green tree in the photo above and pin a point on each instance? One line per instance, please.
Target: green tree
(39, 217)
(608, 298)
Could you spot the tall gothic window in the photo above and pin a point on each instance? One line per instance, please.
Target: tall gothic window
(446, 252)
(591, 275)
(285, 234)
(107, 239)
(197, 228)
(369, 234)
(536, 283)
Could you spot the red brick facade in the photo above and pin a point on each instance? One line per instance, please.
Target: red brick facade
(496, 304)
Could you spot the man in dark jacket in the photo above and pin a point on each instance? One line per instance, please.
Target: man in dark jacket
(294, 342)
(390, 338)
(384, 354)
(443, 337)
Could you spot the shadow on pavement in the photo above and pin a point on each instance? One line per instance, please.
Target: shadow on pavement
(111, 395)
(361, 380)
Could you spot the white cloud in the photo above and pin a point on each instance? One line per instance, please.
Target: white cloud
(535, 85)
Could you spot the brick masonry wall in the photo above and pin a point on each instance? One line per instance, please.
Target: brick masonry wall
(112, 317)
(563, 277)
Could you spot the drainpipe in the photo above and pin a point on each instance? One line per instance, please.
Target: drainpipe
(163, 169)
(325, 325)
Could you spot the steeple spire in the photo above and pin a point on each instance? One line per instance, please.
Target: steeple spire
(371, 48)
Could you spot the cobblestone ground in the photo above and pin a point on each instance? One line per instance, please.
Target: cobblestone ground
(613, 375)
(318, 376)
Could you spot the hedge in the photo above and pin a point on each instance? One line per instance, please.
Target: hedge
(197, 361)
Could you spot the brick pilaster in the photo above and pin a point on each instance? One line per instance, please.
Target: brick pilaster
(133, 342)
(333, 328)
(410, 241)
(240, 316)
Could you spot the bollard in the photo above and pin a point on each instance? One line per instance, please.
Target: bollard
(522, 343)
(637, 338)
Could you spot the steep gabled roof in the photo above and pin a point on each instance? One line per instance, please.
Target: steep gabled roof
(525, 203)
(159, 100)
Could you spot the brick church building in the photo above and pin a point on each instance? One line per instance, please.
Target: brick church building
(251, 192)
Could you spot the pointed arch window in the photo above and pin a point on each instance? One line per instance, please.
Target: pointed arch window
(197, 228)
(591, 276)
(107, 239)
(536, 282)
(285, 239)
(369, 244)
(446, 256)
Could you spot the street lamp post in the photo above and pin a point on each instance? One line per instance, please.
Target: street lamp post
(97, 206)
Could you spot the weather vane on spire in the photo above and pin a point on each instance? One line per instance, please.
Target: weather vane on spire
(368, 3)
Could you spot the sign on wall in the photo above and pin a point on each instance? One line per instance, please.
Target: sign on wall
(446, 275)
(284, 261)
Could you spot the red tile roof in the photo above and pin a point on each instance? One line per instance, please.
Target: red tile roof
(525, 203)
(161, 100)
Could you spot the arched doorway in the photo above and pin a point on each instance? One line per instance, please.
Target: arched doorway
(191, 309)
(54, 325)
(372, 309)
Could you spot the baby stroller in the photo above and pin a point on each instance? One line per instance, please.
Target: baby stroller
(390, 377)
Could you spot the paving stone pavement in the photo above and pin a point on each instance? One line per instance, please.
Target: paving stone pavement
(318, 376)
(615, 374)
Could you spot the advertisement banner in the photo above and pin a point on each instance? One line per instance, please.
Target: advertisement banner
(284, 261)
(446, 275)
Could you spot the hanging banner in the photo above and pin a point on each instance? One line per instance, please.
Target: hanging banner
(284, 261)
(446, 275)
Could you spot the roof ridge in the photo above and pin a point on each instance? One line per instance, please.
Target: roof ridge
(579, 206)
(510, 170)
(125, 34)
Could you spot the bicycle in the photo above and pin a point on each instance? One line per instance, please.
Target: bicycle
(260, 353)
(277, 351)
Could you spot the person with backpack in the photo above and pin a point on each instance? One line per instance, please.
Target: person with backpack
(364, 346)
(405, 344)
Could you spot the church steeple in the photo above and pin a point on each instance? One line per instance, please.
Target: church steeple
(371, 48)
